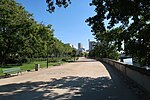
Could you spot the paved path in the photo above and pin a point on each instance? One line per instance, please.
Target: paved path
(86, 79)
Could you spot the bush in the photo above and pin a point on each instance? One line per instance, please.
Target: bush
(66, 59)
(54, 59)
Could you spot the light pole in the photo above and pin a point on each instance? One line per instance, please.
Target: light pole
(47, 54)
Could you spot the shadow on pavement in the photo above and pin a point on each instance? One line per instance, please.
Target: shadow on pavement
(85, 88)
(69, 88)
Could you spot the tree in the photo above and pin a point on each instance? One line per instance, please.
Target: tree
(117, 11)
(51, 4)
(14, 21)
(21, 37)
(73, 54)
(133, 19)
(104, 49)
(139, 46)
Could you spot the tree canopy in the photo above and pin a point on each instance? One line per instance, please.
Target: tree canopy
(132, 18)
(51, 4)
(22, 37)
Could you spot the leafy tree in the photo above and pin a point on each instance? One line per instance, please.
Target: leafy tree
(45, 38)
(139, 46)
(21, 37)
(117, 11)
(13, 20)
(133, 20)
(51, 4)
(104, 49)
(73, 54)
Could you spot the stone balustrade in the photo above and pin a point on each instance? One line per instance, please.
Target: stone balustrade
(139, 75)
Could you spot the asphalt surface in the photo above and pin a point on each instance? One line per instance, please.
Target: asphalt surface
(85, 79)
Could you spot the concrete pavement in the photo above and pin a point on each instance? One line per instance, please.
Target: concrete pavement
(85, 79)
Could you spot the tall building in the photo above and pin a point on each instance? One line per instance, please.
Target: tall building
(80, 46)
(80, 49)
(91, 45)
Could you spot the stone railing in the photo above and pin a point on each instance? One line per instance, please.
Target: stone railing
(139, 75)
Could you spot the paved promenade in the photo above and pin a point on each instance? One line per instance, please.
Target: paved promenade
(85, 79)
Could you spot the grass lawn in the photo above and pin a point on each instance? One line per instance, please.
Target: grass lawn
(31, 66)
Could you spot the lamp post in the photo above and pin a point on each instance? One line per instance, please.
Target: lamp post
(47, 55)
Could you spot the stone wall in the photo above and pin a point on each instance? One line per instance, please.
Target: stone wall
(139, 75)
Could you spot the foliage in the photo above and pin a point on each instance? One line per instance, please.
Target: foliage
(117, 11)
(51, 4)
(133, 20)
(12, 22)
(54, 59)
(104, 50)
(21, 37)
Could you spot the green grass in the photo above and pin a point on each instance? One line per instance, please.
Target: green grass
(31, 66)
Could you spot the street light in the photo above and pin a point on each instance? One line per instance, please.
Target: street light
(47, 54)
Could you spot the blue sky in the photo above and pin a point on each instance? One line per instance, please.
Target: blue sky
(68, 23)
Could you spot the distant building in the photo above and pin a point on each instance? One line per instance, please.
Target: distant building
(80, 45)
(91, 45)
(80, 49)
